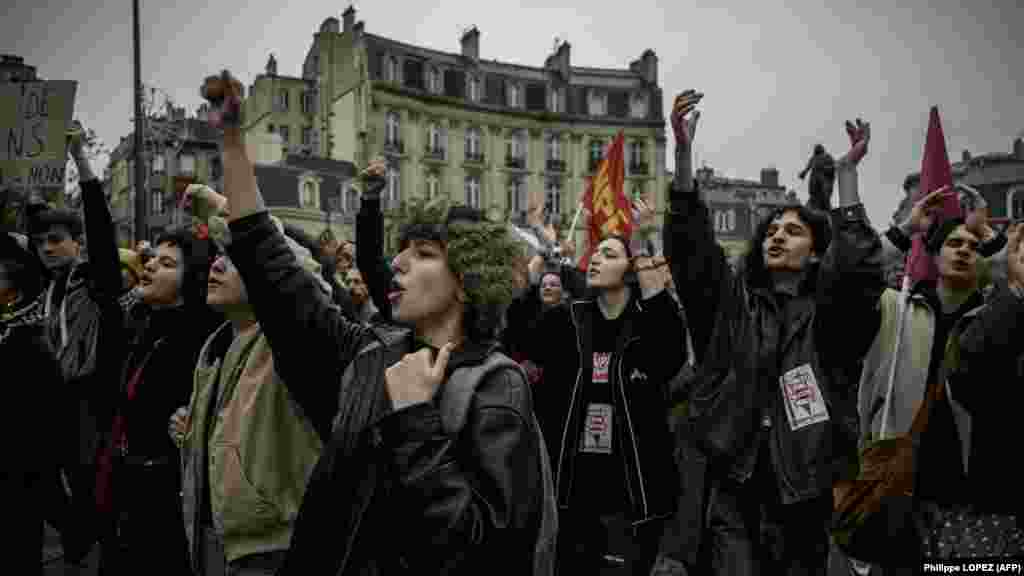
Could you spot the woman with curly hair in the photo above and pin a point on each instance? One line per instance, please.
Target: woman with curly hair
(397, 490)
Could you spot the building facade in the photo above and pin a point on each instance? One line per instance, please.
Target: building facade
(999, 176)
(736, 205)
(179, 151)
(312, 194)
(489, 134)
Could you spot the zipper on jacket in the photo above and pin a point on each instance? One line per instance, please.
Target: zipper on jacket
(572, 399)
(632, 432)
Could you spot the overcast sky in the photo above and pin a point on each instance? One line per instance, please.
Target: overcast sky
(778, 76)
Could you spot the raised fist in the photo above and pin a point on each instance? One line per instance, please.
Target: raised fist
(224, 93)
(683, 127)
(860, 135)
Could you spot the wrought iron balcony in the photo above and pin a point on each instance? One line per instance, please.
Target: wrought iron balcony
(475, 157)
(518, 162)
(556, 165)
(639, 168)
(394, 146)
(434, 152)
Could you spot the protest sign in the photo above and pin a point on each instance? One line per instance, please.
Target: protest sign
(34, 119)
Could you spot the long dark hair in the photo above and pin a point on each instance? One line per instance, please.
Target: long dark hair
(198, 257)
(821, 232)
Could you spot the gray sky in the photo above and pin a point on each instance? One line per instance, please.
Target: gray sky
(778, 76)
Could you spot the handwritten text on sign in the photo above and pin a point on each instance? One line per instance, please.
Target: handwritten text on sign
(34, 117)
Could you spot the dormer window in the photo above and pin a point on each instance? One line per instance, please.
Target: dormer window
(309, 193)
(555, 105)
(513, 94)
(638, 105)
(473, 90)
(434, 80)
(598, 103)
(391, 69)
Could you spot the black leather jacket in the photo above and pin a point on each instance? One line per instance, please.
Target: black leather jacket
(828, 325)
(393, 493)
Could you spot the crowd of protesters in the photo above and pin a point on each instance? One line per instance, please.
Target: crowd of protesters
(240, 398)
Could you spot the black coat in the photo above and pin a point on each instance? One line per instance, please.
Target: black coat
(650, 351)
(988, 381)
(393, 493)
(828, 325)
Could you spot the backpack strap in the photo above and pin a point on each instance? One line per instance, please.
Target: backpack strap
(458, 391)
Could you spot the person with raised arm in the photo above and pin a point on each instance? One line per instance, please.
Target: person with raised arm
(772, 402)
(417, 476)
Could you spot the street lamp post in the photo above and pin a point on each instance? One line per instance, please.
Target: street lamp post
(141, 232)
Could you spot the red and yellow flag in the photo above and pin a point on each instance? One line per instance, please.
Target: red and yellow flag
(611, 212)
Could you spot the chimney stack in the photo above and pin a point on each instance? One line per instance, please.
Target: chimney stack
(770, 177)
(1018, 148)
(471, 44)
(966, 157)
(348, 18)
(272, 66)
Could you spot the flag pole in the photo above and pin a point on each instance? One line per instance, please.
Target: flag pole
(575, 219)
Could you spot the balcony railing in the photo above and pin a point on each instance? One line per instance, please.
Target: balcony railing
(394, 146)
(639, 168)
(555, 165)
(518, 162)
(475, 157)
(433, 152)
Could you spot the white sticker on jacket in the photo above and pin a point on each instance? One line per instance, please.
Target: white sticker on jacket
(804, 403)
(602, 363)
(597, 430)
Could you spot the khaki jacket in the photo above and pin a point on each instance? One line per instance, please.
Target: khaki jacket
(261, 449)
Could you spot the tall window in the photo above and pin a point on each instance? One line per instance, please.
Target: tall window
(434, 80)
(473, 191)
(596, 152)
(391, 69)
(158, 164)
(435, 135)
(472, 142)
(433, 185)
(553, 196)
(556, 100)
(394, 191)
(516, 196)
(350, 198)
(516, 145)
(282, 100)
(186, 165)
(598, 103)
(308, 194)
(308, 104)
(157, 199)
(391, 126)
(1016, 204)
(638, 105)
(725, 221)
(513, 94)
(474, 89)
(307, 136)
(554, 147)
(285, 134)
(636, 156)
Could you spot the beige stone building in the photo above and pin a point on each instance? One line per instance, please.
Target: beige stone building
(486, 133)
